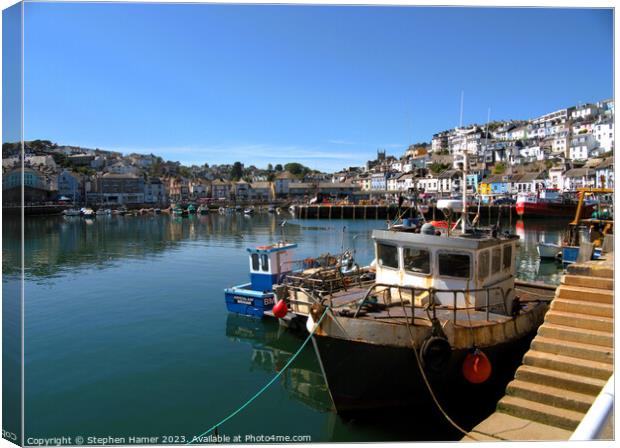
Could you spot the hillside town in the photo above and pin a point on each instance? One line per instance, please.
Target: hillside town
(563, 150)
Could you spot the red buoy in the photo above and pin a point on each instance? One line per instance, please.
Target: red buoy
(476, 367)
(280, 309)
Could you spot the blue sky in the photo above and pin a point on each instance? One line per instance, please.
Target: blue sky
(325, 86)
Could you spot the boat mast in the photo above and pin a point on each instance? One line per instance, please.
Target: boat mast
(464, 211)
(464, 181)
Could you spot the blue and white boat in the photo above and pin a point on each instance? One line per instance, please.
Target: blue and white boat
(268, 266)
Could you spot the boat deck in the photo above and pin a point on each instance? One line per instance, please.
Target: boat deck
(344, 302)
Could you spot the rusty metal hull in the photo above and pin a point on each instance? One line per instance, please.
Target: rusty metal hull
(369, 364)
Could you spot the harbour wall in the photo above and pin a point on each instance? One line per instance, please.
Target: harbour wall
(488, 213)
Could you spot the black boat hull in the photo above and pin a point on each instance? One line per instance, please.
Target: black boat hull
(362, 376)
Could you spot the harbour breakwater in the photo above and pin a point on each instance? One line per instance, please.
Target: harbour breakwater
(489, 214)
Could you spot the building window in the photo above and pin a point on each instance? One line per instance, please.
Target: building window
(454, 265)
(417, 260)
(387, 256)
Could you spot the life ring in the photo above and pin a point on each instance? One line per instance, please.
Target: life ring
(435, 353)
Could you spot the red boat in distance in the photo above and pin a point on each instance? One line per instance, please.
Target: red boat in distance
(545, 203)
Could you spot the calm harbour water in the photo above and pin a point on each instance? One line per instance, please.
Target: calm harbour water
(127, 333)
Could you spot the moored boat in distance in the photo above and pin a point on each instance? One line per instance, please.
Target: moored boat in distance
(544, 204)
(71, 212)
(548, 250)
(177, 210)
(87, 212)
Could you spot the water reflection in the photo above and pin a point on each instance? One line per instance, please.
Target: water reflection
(272, 347)
(55, 244)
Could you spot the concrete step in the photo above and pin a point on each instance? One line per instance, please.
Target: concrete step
(597, 323)
(582, 307)
(553, 378)
(572, 334)
(538, 412)
(582, 293)
(551, 396)
(588, 282)
(568, 364)
(592, 269)
(574, 349)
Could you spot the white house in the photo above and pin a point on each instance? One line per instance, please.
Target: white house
(556, 178)
(282, 182)
(605, 173)
(584, 111)
(578, 178)
(604, 135)
(122, 167)
(559, 115)
(532, 153)
(429, 183)
(154, 191)
(581, 146)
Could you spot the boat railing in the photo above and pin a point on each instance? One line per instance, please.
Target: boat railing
(433, 303)
(325, 297)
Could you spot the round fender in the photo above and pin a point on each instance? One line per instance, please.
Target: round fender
(435, 353)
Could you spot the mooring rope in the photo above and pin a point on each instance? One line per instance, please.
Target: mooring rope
(266, 386)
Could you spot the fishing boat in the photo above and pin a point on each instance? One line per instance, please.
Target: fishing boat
(191, 209)
(271, 209)
(444, 313)
(203, 210)
(177, 210)
(249, 211)
(548, 250)
(222, 210)
(87, 212)
(103, 211)
(268, 266)
(544, 204)
(71, 212)
(592, 223)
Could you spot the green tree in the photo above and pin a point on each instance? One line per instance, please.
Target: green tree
(278, 167)
(237, 171)
(499, 168)
(269, 167)
(437, 167)
(296, 169)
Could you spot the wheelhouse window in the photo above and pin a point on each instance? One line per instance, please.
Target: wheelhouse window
(417, 260)
(483, 265)
(264, 258)
(387, 256)
(496, 259)
(507, 259)
(454, 265)
(255, 262)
